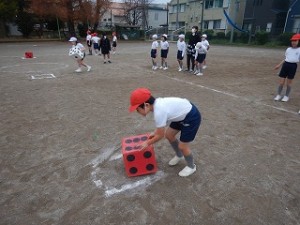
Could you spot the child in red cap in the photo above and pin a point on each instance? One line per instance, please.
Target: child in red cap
(288, 69)
(171, 115)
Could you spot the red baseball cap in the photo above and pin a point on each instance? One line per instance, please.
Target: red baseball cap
(137, 97)
(295, 37)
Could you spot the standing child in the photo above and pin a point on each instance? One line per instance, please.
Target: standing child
(288, 69)
(154, 48)
(114, 42)
(89, 41)
(105, 48)
(181, 46)
(96, 42)
(199, 58)
(80, 62)
(164, 46)
(206, 43)
(190, 51)
(181, 115)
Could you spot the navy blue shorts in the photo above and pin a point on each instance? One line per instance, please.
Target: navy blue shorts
(201, 58)
(96, 46)
(114, 44)
(288, 70)
(89, 43)
(179, 55)
(164, 53)
(153, 53)
(189, 126)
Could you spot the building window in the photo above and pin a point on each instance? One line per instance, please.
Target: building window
(219, 3)
(209, 4)
(205, 26)
(156, 16)
(174, 9)
(181, 7)
(217, 24)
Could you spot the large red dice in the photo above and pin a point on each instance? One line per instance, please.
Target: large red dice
(138, 162)
(28, 55)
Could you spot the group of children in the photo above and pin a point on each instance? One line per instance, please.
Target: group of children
(100, 45)
(195, 50)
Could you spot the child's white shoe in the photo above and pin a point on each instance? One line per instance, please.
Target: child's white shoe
(277, 98)
(187, 171)
(160, 67)
(165, 68)
(78, 70)
(89, 68)
(199, 74)
(175, 160)
(285, 99)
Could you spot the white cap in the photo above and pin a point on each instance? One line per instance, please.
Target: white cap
(73, 39)
(164, 35)
(204, 35)
(154, 36)
(181, 36)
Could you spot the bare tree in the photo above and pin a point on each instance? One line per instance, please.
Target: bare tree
(135, 12)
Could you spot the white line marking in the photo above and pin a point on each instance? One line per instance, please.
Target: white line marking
(144, 182)
(232, 95)
(43, 76)
(106, 152)
(115, 157)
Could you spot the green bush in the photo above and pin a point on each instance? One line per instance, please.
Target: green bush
(262, 37)
(244, 37)
(209, 33)
(235, 35)
(284, 39)
(220, 35)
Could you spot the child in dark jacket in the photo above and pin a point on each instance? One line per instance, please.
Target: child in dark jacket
(105, 47)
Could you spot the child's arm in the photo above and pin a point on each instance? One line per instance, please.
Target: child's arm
(279, 65)
(158, 134)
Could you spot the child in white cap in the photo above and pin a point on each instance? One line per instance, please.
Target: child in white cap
(181, 47)
(200, 55)
(206, 43)
(76, 44)
(164, 46)
(153, 53)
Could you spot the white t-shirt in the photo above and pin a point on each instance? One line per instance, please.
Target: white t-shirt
(181, 46)
(206, 43)
(292, 55)
(164, 45)
(170, 109)
(95, 39)
(88, 37)
(154, 45)
(114, 38)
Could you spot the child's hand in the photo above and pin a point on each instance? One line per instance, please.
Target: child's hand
(143, 146)
(151, 135)
(276, 67)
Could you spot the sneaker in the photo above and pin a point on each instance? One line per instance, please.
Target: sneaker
(179, 69)
(160, 67)
(175, 160)
(299, 112)
(78, 70)
(195, 72)
(165, 68)
(204, 67)
(199, 74)
(104, 62)
(187, 171)
(89, 68)
(285, 99)
(277, 98)
(109, 61)
(191, 71)
(155, 68)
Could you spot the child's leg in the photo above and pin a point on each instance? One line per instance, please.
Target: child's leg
(280, 86)
(171, 136)
(166, 63)
(288, 87)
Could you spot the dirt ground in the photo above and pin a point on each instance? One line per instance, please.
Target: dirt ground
(60, 140)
